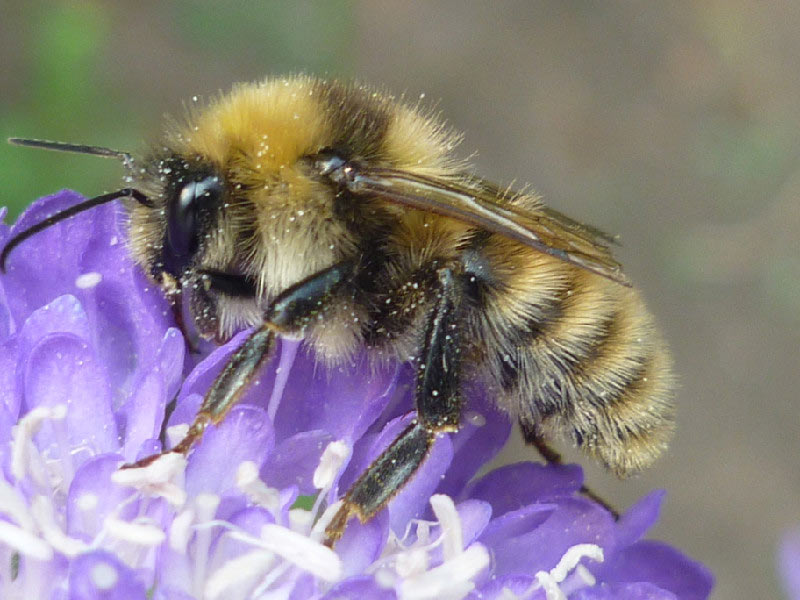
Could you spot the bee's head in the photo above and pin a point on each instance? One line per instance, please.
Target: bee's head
(171, 235)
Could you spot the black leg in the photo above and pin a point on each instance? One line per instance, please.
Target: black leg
(291, 312)
(534, 437)
(438, 403)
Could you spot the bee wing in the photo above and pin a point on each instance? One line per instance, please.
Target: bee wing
(482, 204)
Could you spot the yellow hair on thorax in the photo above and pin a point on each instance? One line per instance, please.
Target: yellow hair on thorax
(269, 125)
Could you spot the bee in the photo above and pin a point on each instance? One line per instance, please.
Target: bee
(335, 213)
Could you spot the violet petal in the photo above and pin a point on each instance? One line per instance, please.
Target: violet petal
(62, 369)
(99, 575)
(573, 521)
(662, 565)
(359, 587)
(484, 431)
(626, 591)
(93, 496)
(514, 486)
(344, 400)
(362, 543)
(640, 517)
(789, 563)
(294, 460)
(246, 434)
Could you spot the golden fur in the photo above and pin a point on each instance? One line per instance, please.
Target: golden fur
(563, 349)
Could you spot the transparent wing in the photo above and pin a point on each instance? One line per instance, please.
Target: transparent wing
(485, 206)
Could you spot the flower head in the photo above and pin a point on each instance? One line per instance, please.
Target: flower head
(90, 360)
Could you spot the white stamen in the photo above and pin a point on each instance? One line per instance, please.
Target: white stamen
(581, 578)
(13, 504)
(450, 580)
(176, 433)
(206, 506)
(412, 562)
(87, 281)
(24, 542)
(423, 532)
(246, 474)
(160, 470)
(301, 520)
(330, 463)
(298, 549)
(572, 557)
(104, 576)
(324, 520)
(87, 501)
(155, 478)
(87, 504)
(270, 578)
(585, 575)
(549, 585)
(240, 573)
(447, 515)
(43, 512)
(22, 436)
(180, 531)
(385, 578)
(259, 492)
(549, 581)
(140, 534)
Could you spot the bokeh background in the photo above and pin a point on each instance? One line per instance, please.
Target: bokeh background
(675, 125)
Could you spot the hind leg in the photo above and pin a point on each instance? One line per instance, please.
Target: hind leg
(533, 437)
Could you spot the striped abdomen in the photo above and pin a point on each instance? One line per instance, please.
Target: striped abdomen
(572, 352)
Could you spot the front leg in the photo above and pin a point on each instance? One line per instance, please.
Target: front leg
(438, 403)
(289, 314)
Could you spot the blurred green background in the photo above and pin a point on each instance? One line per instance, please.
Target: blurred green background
(675, 125)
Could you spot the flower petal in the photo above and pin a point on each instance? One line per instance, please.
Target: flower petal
(93, 497)
(662, 565)
(343, 401)
(128, 317)
(294, 460)
(62, 369)
(359, 587)
(639, 518)
(552, 532)
(245, 435)
(100, 575)
(514, 486)
(484, 431)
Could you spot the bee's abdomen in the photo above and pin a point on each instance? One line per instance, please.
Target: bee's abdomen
(572, 352)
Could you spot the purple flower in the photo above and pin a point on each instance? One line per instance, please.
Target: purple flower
(789, 563)
(90, 360)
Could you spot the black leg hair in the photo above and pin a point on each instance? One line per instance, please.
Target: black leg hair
(438, 404)
(290, 313)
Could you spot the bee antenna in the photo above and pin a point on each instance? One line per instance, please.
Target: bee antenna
(66, 214)
(125, 157)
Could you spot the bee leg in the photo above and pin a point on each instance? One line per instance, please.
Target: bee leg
(289, 313)
(438, 404)
(533, 437)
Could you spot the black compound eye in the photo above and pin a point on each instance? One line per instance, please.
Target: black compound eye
(183, 217)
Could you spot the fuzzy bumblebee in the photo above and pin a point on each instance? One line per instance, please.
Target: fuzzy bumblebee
(332, 212)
